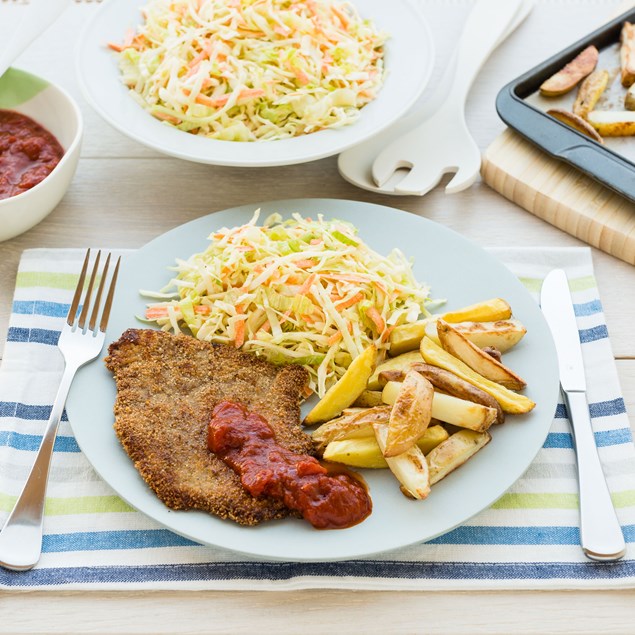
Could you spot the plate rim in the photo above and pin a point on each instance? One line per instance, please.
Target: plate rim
(213, 159)
(547, 352)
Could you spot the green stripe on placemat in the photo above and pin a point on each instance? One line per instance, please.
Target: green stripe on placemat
(68, 506)
(575, 284)
(556, 500)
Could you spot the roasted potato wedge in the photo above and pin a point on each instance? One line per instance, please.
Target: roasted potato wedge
(477, 359)
(406, 337)
(450, 454)
(486, 311)
(589, 93)
(500, 334)
(568, 77)
(511, 402)
(365, 452)
(368, 399)
(347, 389)
(576, 122)
(449, 383)
(629, 98)
(627, 54)
(410, 415)
(352, 426)
(401, 362)
(410, 468)
(458, 412)
(613, 123)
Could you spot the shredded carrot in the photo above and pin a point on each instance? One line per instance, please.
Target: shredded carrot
(308, 283)
(304, 264)
(386, 334)
(239, 330)
(374, 315)
(115, 47)
(334, 339)
(157, 312)
(350, 302)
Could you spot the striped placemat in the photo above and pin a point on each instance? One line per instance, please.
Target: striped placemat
(527, 540)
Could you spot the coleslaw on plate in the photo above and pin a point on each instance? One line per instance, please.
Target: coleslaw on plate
(301, 291)
(252, 70)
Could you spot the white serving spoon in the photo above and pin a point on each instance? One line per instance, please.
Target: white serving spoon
(37, 17)
(435, 140)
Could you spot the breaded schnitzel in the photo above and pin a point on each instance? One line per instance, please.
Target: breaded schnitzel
(167, 388)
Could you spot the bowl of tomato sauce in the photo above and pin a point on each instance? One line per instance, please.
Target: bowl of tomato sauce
(40, 138)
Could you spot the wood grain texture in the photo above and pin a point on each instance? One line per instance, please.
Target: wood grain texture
(560, 195)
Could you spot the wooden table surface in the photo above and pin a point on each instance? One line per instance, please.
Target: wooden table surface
(124, 195)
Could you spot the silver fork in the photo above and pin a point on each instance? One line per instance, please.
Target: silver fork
(81, 340)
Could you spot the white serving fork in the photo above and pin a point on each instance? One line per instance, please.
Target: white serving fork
(81, 341)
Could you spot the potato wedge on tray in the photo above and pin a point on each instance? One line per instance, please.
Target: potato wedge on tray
(576, 122)
(613, 123)
(568, 77)
(589, 93)
(627, 55)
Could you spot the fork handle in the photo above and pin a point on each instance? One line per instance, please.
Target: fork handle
(21, 536)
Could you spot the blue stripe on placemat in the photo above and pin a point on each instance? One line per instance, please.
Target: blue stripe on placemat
(40, 307)
(27, 411)
(587, 308)
(464, 535)
(31, 442)
(593, 334)
(37, 336)
(597, 409)
(603, 439)
(280, 571)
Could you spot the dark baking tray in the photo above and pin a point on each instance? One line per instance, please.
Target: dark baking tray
(556, 138)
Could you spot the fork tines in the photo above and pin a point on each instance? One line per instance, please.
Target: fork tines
(72, 312)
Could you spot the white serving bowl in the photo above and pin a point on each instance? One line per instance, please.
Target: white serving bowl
(54, 109)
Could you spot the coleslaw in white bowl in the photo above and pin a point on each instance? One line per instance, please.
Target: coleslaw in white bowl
(406, 63)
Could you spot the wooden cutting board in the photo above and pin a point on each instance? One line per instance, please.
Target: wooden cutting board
(560, 195)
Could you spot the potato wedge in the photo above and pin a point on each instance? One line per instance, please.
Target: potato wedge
(486, 311)
(569, 76)
(510, 401)
(402, 362)
(576, 122)
(449, 383)
(347, 389)
(406, 337)
(627, 54)
(613, 123)
(589, 93)
(477, 359)
(365, 452)
(354, 426)
(410, 415)
(450, 454)
(410, 468)
(368, 399)
(629, 98)
(458, 412)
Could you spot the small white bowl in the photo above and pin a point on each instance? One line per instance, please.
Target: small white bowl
(54, 109)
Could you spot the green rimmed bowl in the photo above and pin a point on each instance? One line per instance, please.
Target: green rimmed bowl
(51, 107)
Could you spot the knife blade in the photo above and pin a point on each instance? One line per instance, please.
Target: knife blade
(601, 536)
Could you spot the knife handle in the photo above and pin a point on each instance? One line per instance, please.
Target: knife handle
(600, 532)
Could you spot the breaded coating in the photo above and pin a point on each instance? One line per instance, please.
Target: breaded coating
(167, 387)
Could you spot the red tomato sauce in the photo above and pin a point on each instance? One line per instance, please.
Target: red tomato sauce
(28, 153)
(245, 441)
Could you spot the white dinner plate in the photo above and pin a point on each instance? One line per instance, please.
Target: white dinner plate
(457, 270)
(409, 59)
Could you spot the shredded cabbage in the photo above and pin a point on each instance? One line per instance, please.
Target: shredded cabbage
(250, 70)
(300, 291)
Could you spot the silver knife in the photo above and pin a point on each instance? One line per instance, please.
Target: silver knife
(600, 532)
